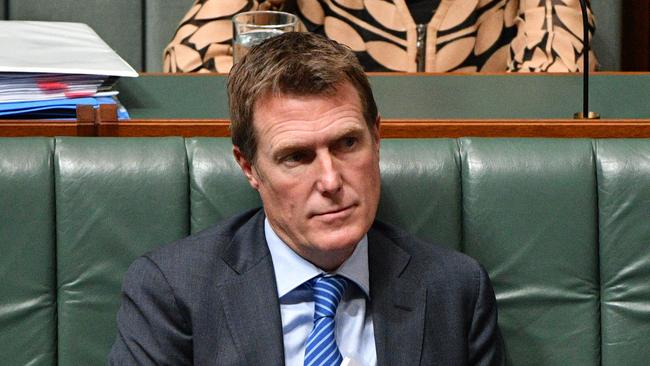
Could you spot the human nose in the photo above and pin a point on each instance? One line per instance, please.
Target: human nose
(329, 179)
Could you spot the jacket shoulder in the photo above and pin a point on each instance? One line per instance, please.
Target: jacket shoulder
(207, 243)
(431, 260)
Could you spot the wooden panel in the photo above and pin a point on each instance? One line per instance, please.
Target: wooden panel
(636, 36)
(405, 128)
(104, 122)
(389, 128)
(84, 125)
(108, 125)
(516, 128)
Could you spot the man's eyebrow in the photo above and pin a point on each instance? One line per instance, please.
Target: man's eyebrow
(290, 146)
(295, 144)
(348, 131)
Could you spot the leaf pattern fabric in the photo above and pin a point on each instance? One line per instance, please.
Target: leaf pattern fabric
(549, 37)
(202, 42)
(462, 35)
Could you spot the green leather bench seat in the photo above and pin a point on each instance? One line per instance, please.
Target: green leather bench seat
(218, 189)
(623, 173)
(530, 217)
(561, 225)
(115, 200)
(28, 324)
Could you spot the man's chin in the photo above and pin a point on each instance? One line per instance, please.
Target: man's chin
(337, 240)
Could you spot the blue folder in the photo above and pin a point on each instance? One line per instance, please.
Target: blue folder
(55, 108)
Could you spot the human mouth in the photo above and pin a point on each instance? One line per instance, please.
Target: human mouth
(335, 214)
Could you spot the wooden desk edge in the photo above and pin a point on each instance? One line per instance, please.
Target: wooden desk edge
(83, 125)
(405, 128)
(103, 122)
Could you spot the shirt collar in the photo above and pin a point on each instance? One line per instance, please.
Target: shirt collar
(292, 270)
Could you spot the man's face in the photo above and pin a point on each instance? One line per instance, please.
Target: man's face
(317, 172)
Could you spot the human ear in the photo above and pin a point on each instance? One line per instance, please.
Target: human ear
(246, 167)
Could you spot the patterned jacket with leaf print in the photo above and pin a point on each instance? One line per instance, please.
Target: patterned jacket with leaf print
(461, 36)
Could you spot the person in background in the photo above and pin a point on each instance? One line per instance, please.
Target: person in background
(311, 277)
(403, 35)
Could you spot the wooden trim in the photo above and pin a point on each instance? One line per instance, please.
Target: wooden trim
(152, 128)
(516, 128)
(84, 125)
(108, 125)
(632, 128)
(103, 122)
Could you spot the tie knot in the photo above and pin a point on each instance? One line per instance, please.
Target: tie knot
(328, 291)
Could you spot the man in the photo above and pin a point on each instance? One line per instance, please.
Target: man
(311, 278)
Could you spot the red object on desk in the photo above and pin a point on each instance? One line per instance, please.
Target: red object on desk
(52, 85)
(79, 94)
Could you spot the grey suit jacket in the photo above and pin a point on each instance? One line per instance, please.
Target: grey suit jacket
(211, 299)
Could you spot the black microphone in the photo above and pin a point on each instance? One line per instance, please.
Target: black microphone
(585, 114)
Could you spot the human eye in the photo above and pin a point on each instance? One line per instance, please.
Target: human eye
(294, 158)
(348, 143)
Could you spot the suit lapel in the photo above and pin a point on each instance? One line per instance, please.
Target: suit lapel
(250, 299)
(398, 303)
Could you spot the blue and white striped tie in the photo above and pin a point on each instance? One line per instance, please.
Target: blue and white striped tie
(321, 347)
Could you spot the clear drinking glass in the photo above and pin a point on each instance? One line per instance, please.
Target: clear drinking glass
(252, 27)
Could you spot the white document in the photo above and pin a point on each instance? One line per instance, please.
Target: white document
(22, 87)
(57, 47)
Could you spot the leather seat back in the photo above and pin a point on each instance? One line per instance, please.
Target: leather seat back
(28, 324)
(115, 200)
(561, 225)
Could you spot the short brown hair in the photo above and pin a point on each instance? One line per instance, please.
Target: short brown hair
(294, 63)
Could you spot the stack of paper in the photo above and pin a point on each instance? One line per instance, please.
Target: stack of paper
(47, 68)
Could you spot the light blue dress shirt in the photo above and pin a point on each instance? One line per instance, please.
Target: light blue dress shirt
(354, 329)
